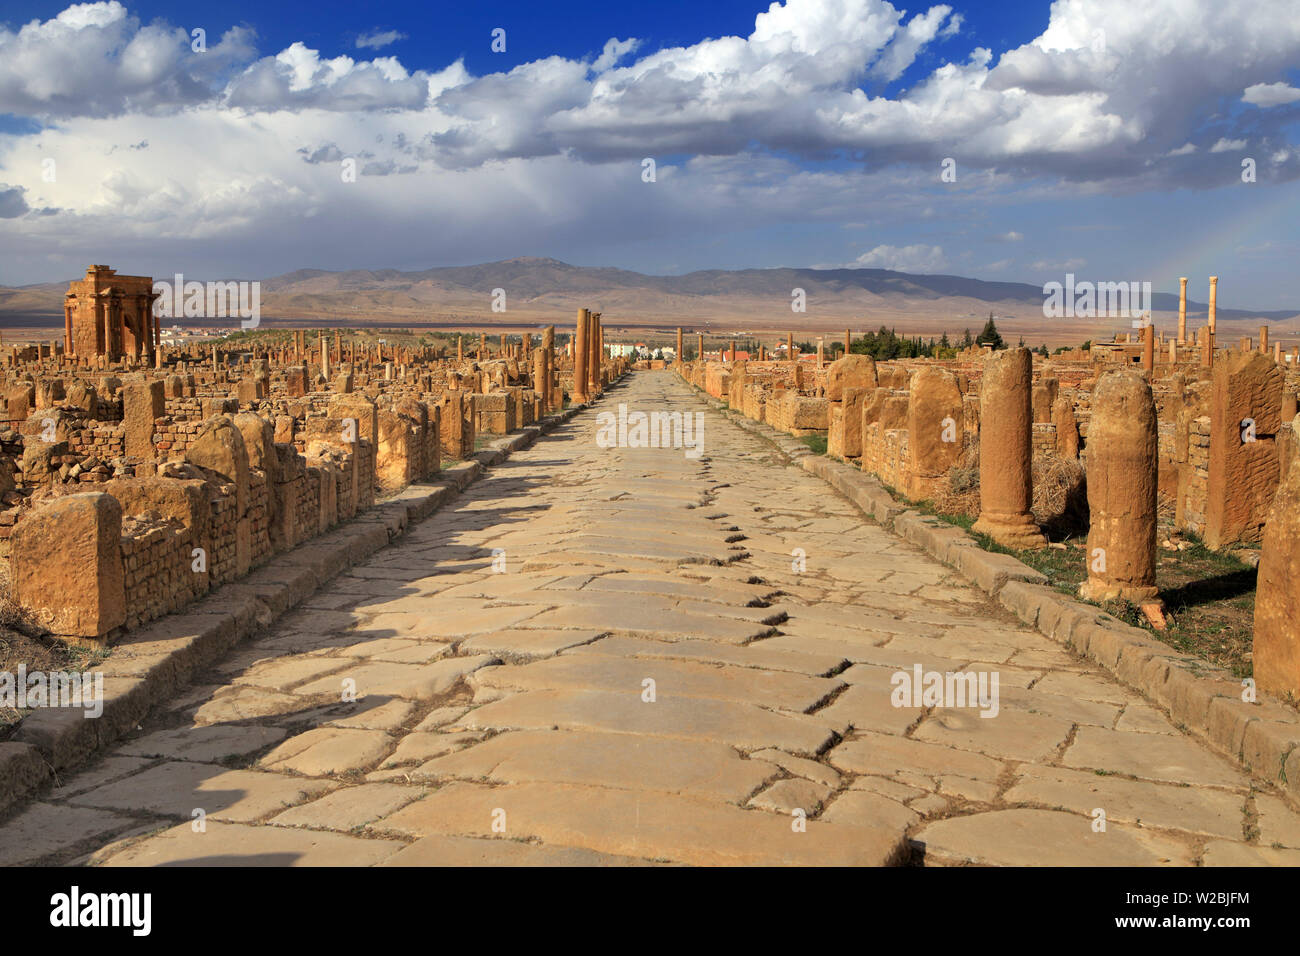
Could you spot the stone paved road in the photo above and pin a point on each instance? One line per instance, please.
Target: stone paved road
(650, 680)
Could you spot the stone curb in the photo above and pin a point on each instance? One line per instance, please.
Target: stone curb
(1263, 737)
(157, 660)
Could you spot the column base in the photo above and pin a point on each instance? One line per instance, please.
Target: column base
(1012, 531)
(1099, 591)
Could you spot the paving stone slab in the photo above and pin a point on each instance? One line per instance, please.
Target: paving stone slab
(607, 759)
(1044, 838)
(662, 826)
(177, 788)
(233, 844)
(739, 725)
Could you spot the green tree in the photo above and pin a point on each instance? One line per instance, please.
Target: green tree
(990, 335)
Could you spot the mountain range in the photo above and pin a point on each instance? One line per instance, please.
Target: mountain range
(541, 290)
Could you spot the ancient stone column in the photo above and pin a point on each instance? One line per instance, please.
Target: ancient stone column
(539, 376)
(1182, 310)
(848, 340)
(1207, 354)
(699, 348)
(553, 400)
(789, 346)
(1288, 406)
(1006, 451)
(678, 355)
(580, 356)
(1123, 448)
(1263, 339)
(1149, 349)
(593, 358)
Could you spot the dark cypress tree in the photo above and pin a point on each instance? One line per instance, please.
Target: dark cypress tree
(990, 335)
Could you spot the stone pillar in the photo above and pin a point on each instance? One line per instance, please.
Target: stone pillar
(1276, 656)
(1207, 353)
(1182, 310)
(67, 328)
(66, 565)
(935, 432)
(593, 355)
(789, 346)
(1263, 339)
(1288, 406)
(1245, 409)
(1067, 427)
(553, 400)
(581, 352)
(1123, 446)
(141, 404)
(1006, 451)
(699, 348)
(677, 357)
(1149, 348)
(848, 341)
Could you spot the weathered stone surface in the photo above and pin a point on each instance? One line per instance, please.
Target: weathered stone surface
(44, 829)
(667, 827)
(1277, 599)
(1122, 474)
(83, 593)
(607, 759)
(176, 789)
(1243, 463)
(206, 744)
(1023, 837)
(235, 844)
(741, 725)
(1151, 757)
(851, 371)
(349, 808)
(329, 751)
(1006, 434)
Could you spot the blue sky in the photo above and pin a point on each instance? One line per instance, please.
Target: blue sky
(1092, 136)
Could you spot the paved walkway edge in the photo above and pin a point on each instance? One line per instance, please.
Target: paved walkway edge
(1264, 737)
(156, 661)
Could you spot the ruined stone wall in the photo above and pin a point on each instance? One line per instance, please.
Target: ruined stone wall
(172, 438)
(268, 480)
(885, 454)
(102, 441)
(157, 568)
(1044, 439)
(1194, 478)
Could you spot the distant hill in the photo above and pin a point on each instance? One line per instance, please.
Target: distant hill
(540, 289)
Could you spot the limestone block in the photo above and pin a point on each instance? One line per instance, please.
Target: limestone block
(851, 371)
(66, 565)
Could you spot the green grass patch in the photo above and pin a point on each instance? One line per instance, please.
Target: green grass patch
(816, 443)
